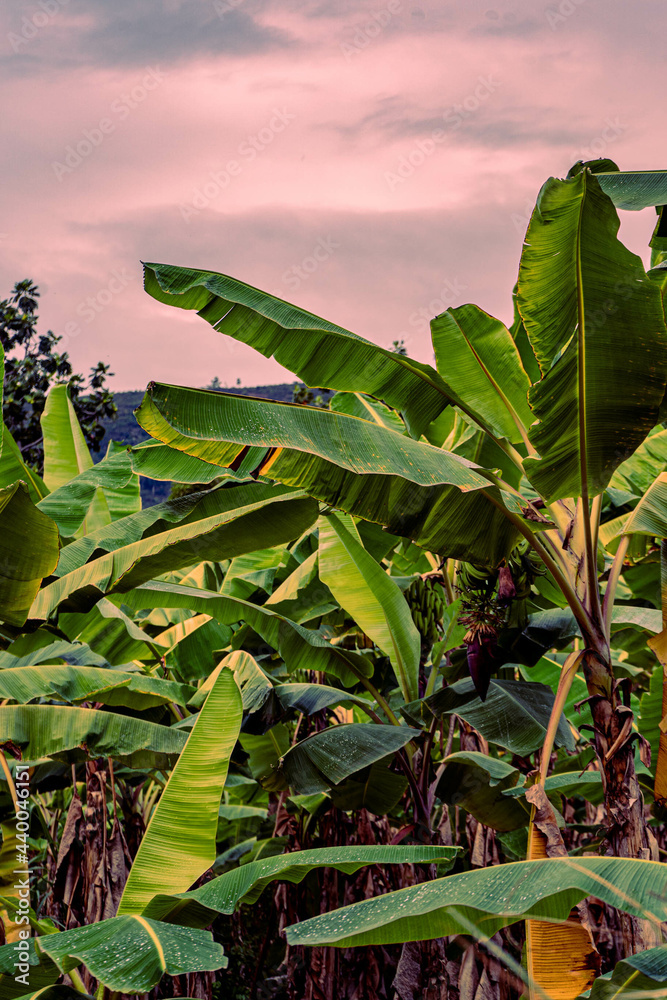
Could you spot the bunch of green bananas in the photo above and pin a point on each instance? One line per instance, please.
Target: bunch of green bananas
(427, 605)
(469, 578)
(525, 565)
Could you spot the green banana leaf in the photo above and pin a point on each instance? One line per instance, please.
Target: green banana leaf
(637, 977)
(302, 596)
(74, 684)
(76, 734)
(75, 653)
(69, 504)
(596, 324)
(319, 352)
(434, 497)
(122, 500)
(179, 844)
(12, 467)
(41, 975)
(66, 453)
(244, 885)
(357, 404)
(197, 653)
(650, 713)
(490, 898)
(329, 757)
(370, 597)
(53, 993)
(29, 550)
(635, 189)
(637, 473)
(650, 515)
(477, 782)
(477, 357)
(158, 461)
(216, 531)
(375, 788)
(110, 632)
(300, 648)
(130, 953)
(515, 714)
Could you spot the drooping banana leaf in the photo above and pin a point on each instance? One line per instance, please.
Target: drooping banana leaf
(515, 714)
(356, 404)
(59, 651)
(244, 885)
(487, 899)
(327, 758)
(371, 597)
(71, 684)
(476, 782)
(319, 352)
(650, 515)
(300, 648)
(29, 550)
(158, 461)
(596, 324)
(110, 632)
(75, 734)
(434, 497)
(218, 530)
(130, 954)
(69, 503)
(122, 500)
(179, 844)
(477, 357)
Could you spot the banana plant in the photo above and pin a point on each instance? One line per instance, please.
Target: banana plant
(562, 401)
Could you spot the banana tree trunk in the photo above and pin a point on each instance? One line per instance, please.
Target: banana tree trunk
(628, 833)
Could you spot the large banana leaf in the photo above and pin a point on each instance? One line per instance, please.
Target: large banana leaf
(300, 648)
(179, 844)
(75, 734)
(68, 505)
(213, 533)
(29, 550)
(66, 452)
(159, 461)
(638, 472)
(319, 352)
(515, 714)
(477, 357)
(110, 633)
(366, 469)
(125, 499)
(371, 597)
(244, 885)
(12, 467)
(130, 954)
(650, 515)
(635, 189)
(327, 758)
(74, 684)
(487, 899)
(637, 977)
(597, 327)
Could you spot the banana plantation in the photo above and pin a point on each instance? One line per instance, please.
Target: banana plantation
(375, 707)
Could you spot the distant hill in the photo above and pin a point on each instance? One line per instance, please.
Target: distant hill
(124, 427)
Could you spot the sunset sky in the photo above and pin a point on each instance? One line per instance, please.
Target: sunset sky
(374, 163)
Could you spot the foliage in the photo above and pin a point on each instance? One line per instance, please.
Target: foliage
(32, 365)
(384, 677)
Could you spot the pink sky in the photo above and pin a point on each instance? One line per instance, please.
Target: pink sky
(373, 163)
